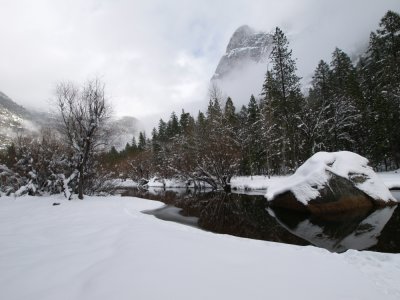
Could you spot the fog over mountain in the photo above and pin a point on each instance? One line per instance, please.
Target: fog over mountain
(241, 70)
(16, 120)
(245, 46)
(157, 56)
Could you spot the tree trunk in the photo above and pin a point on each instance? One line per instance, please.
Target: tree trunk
(80, 184)
(227, 188)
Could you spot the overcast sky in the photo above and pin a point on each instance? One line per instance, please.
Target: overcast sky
(156, 56)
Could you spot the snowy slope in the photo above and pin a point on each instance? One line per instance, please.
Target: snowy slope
(105, 248)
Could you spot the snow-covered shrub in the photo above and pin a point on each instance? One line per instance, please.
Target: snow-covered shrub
(35, 165)
(9, 181)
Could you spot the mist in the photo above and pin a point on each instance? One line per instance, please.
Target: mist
(155, 59)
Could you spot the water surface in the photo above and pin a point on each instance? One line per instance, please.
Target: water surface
(248, 215)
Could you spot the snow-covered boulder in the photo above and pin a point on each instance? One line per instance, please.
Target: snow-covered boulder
(330, 183)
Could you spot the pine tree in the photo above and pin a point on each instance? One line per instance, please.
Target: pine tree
(142, 141)
(346, 93)
(380, 73)
(281, 90)
(134, 144)
(230, 112)
(173, 127)
(315, 114)
(162, 130)
(186, 122)
(254, 160)
(268, 138)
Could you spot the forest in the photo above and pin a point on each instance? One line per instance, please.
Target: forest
(350, 104)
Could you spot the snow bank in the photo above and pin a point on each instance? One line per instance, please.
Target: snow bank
(158, 182)
(127, 183)
(249, 183)
(105, 248)
(314, 174)
(167, 183)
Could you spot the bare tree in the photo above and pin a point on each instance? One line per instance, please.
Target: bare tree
(84, 114)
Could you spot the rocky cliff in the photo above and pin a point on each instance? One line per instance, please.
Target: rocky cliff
(245, 46)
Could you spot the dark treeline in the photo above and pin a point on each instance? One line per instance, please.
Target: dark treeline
(349, 106)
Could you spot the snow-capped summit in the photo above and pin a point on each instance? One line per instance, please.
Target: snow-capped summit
(246, 45)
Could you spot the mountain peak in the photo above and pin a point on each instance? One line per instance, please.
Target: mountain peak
(239, 37)
(246, 44)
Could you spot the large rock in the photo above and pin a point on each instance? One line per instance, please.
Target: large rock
(331, 183)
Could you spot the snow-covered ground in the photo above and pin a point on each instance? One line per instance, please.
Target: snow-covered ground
(105, 248)
(257, 182)
(127, 183)
(156, 182)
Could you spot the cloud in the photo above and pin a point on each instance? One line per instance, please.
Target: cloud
(157, 56)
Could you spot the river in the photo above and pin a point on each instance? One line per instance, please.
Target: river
(248, 215)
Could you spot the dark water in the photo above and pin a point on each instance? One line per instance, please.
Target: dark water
(249, 216)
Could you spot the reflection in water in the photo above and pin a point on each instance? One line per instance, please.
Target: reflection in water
(172, 213)
(249, 216)
(396, 195)
(341, 232)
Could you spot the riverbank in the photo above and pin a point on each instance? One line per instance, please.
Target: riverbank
(255, 183)
(104, 247)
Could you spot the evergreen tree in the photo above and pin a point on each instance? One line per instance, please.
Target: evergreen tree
(268, 138)
(201, 120)
(162, 130)
(380, 73)
(281, 90)
(346, 93)
(185, 122)
(127, 149)
(230, 112)
(254, 159)
(173, 127)
(142, 141)
(134, 144)
(315, 114)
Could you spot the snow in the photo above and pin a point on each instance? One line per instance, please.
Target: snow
(314, 174)
(251, 183)
(105, 248)
(261, 183)
(391, 179)
(127, 183)
(167, 183)
(157, 182)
